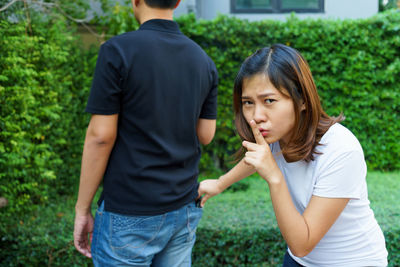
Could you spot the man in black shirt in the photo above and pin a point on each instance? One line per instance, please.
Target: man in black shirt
(153, 101)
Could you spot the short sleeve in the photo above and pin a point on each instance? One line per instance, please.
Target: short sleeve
(342, 177)
(106, 90)
(209, 108)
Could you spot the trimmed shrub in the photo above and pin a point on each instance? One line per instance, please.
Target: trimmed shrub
(43, 88)
(43, 237)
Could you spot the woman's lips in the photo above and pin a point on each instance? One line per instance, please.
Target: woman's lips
(264, 132)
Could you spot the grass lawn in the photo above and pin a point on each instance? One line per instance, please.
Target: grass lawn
(238, 208)
(253, 207)
(384, 194)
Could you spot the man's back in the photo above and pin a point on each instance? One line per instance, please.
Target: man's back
(160, 82)
(153, 101)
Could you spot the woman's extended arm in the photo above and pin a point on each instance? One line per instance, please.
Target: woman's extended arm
(213, 187)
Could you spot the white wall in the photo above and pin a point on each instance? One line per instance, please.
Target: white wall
(336, 9)
(351, 8)
(185, 7)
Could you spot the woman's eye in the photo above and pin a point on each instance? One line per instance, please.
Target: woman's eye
(269, 101)
(246, 103)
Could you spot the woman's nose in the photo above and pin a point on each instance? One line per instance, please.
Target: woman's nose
(259, 115)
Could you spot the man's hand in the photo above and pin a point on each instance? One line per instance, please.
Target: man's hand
(83, 233)
(209, 188)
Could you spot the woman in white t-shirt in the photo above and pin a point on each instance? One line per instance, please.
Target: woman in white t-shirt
(314, 166)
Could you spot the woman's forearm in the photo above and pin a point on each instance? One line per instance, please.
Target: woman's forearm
(291, 223)
(237, 173)
(302, 232)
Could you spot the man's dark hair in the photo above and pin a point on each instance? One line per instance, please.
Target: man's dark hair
(165, 4)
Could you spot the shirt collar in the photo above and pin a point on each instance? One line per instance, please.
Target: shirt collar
(160, 25)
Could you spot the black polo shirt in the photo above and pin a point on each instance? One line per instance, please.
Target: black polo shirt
(160, 83)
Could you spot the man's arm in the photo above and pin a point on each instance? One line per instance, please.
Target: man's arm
(206, 130)
(99, 141)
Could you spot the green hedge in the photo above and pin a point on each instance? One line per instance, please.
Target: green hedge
(44, 81)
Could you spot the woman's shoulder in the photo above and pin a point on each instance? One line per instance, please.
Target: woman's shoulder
(339, 139)
(340, 155)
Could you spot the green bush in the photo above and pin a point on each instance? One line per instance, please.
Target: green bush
(43, 87)
(43, 237)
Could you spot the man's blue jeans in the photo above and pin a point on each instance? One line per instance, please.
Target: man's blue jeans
(157, 241)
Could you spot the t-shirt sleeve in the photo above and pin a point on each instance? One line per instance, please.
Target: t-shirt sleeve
(106, 90)
(209, 108)
(342, 177)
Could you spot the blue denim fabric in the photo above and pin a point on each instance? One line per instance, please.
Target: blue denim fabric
(157, 241)
(290, 262)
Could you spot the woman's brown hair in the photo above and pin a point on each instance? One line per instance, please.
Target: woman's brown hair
(289, 72)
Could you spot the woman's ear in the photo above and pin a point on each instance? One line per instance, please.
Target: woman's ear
(303, 106)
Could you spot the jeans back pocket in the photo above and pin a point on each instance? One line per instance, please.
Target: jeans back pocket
(131, 234)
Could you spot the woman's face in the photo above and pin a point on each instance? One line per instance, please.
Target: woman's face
(272, 111)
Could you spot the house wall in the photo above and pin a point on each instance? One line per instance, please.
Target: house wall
(336, 9)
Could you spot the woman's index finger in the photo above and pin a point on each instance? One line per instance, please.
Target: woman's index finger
(257, 134)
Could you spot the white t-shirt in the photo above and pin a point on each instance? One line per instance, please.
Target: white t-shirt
(355, 239)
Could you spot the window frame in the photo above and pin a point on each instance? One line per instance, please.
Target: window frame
(277, 8)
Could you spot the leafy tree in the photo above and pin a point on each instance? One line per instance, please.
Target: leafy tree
(110, 17)
(388, 4)
(17, 10)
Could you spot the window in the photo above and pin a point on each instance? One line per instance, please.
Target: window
(277, 6)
